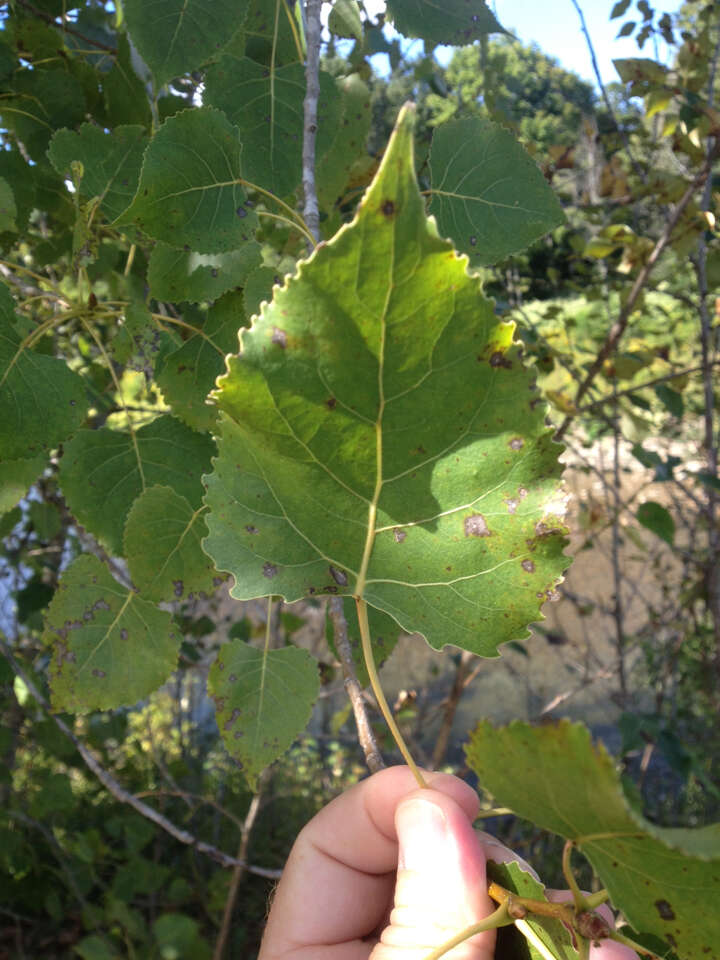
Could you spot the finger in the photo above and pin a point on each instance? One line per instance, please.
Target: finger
(338, 881)
(494, 850)
(441, 887)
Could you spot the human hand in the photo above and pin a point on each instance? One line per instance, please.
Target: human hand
(389, 872)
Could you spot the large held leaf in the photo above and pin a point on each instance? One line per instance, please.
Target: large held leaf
(553, 776)
(273, 32)
(15, 478)
(103, 471)
(188, 374)
(454, 22)
(42, 401)
(111, 163)
(488, 195)
(263, 700)
(162, 546)
(267, 107)
(181, 275)
(190, 191)
(110, 648)
(380, 436)
(176, 36)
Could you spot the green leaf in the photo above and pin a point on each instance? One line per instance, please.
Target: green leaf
(176, 36)
(350, 144)
(454, 22)
(707, 479)
(258, 288)
(45, 101)
(190, 191)
(488, 195)
(553, 776)
(670, 399)
(267, 108)
(42, 401)
(263, 700)
(179, 275)
(188, 374)
(15, 479)
(657, 519)
(8, 208)
(162, 546)
(110, 647)
(619, 9)
(126, 99)
(626, 29)
(551, 933)
(111, 163)
(103, 471)
(384, 635)
(372, 442)
(345, 20)
(268, 35)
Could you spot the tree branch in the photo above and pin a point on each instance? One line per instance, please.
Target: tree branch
(452, 702)
(620, 325)
(313, 31)
(366, 737)
(65, 28)
(119, 792)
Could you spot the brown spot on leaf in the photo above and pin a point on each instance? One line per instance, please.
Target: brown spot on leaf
(388, 208)
(331, 403)
(98, 673)
(476, 526)
(251, 529)
(269, 570)
(279, 337)
(528, 565)
(665, 910)
(178, 588)
(123, 634)
(498, 359)
(399, 535)
(338, 576)
(512, 505)
(517, 443)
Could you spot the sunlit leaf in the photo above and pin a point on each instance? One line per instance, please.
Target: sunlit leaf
(371, 442)
(488, 195)
(15, 478)
(110, 648)
(554, 776)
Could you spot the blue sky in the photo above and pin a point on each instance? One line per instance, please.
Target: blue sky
(554, 26)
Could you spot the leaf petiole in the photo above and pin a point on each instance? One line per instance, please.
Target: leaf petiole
(500, 918)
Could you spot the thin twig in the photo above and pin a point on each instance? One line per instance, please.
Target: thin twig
(612, 397)
(450, 709)
(119, 792)
(366, 737)
(313, 36)
(240, 868)
(606, 99)
(620, 325)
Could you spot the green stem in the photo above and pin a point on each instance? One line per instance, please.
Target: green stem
(500, 918)
(627, 942)
(578, 896)
(379, 695)
(594, 900)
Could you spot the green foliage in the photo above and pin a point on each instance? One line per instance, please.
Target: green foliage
(188, 388)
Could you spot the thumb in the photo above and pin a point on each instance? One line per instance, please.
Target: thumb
(441, 887)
